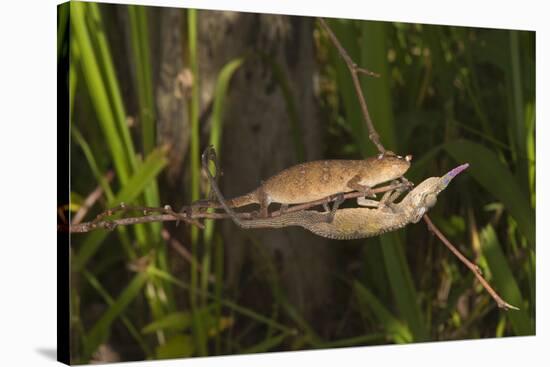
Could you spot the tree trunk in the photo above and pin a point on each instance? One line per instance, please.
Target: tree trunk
(257, 143)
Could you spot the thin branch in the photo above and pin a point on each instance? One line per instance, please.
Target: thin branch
(349, 195)
(168, 215)
(183, 252)
(375, 138)
(91, 200)
(473, 267)
(354, 71)
(112, 224)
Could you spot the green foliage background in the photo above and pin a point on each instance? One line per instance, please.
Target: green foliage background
(447, 95)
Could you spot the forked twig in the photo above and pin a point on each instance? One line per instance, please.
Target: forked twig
(91, 200)
(354, 70)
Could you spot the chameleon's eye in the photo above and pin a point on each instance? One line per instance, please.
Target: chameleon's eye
(430, 200)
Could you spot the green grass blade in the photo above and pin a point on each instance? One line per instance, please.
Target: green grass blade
(279, 294)
(111, 82)
(75, 132)
(232, 305)
(266, 345)
(160, 296)
(113, 89)
(402, 285)
(110, 301)
(99, 332)
(194, 108)
(347, 35)
(530, 146)
(356, 340)
(218, 286)
(310, 335)
(516, 91)
(173, 321)
(62, 21)
(295, 127)
(147, 172)
(220, 94)
(395, 329)
(178, 346)
(92, 241)
(73, 79)
(505, 282)
(497, 179)
(139, 36)
(97, 89)
(373, 56)
(422, 165)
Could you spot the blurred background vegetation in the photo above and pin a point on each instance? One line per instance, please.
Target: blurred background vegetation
(151, 87)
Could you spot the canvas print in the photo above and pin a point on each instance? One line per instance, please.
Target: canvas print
(247, 183)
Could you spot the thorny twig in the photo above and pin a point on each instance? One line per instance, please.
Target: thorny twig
(374, 137)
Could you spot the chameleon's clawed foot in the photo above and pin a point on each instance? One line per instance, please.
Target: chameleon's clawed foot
(369, 193)
(197, 204)
(385, 207)
(263, 213)
(186, 210)
(339, 200)
(362, 201)
(259, 214)
(255, 214)
(409, 185)
(284, 208)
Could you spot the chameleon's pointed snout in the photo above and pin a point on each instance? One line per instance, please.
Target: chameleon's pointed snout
(453, 173)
